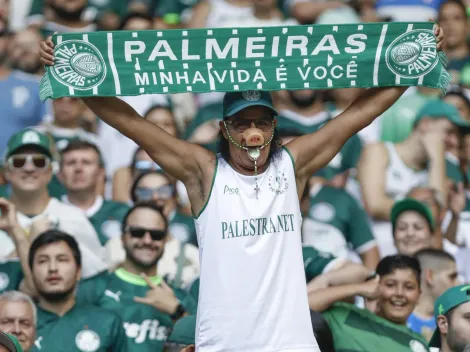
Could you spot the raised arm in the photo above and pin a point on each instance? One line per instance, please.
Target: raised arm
(313, 151)
(190, 163)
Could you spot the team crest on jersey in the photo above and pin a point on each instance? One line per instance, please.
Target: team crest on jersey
(323, 212)
(251, 95)
(417, 346)
(87, 341)
(78, 65)
(278, 184)
(4, 281)
(111, 228)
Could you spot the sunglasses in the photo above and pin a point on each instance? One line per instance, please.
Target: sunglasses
(146, 193)
(19, 161)
(241, 125)
(139, 232)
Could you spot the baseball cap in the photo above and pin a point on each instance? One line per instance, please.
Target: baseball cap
(440, 109)
(184, 331)
(237, 101)
(450, 299)
(28, 137)
(411, 204)
(10, 342)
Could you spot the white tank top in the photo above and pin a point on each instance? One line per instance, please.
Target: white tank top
(253, 295)
(399, 178)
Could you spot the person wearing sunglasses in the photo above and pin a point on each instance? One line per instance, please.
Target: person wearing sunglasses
(146, 302)
(180, 261)
(28, 169)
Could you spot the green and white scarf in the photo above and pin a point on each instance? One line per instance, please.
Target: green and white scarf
(230, 59)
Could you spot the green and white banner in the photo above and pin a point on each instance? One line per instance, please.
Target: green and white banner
(231, 59)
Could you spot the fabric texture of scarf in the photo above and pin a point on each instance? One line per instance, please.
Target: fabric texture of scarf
(229, 59)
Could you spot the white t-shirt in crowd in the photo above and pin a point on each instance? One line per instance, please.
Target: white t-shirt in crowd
(72, 221)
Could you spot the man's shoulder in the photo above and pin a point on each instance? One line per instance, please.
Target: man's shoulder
(64, 210)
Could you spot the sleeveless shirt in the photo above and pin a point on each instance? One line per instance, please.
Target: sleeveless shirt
(253, 294)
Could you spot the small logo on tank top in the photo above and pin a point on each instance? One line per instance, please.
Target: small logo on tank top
(278, 184)
(230, 190)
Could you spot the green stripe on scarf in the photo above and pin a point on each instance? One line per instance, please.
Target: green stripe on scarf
(230, 59)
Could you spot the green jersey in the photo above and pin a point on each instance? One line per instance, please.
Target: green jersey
(335, 222)
(107, 219)
(315, 263)
(83, 328)
(453, 171)
(359, 330)
(348, 156)
(182, 227)
(11, 275)
(146, 328)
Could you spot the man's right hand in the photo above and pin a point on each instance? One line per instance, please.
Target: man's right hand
(8, 219)
(47, 52)
(433, 144)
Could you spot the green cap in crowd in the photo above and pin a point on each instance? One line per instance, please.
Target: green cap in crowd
(411, 204)
(28, 138)
(450, 299)
(237, 101)
(184, 331)
(436, 109)
(10, 342)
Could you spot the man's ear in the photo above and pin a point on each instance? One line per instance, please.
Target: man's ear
(222, 128)
(428, 276)
(442, 324)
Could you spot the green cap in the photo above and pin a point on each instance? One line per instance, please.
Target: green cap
(184, 331)
(450, 299)
(411, 204)
(10, 342)
(28, 137)
(237, 101)
(440, 109)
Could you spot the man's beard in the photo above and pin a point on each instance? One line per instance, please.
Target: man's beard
(136, 261)
(456, 343)
(67, 15)
(302, 102)
(32, 69)
(56, 297)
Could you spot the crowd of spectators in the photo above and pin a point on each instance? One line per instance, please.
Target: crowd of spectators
(98, 247)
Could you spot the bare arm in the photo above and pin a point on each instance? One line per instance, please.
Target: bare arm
(371, 258)
(348, 273)
(22, 249)
(323, 299)
(371, 175)
(313, 151)
(200, 13)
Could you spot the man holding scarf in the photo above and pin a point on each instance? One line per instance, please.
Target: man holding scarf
(245, 202)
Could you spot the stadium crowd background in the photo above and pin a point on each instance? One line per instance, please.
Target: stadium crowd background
(398, 193)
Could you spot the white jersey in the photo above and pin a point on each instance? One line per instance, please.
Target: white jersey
(253, 294)
(399, 180)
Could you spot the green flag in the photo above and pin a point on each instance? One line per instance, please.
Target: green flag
(231, 59)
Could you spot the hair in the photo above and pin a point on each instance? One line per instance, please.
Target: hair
(17, 296)
(144, 174)
(322, 332)
(457, 92)
(79, 144)
(459, 3)
(224, 150)
(144, 205)
(54, 236)
(433, 259)
(135, 15)
(399, 262)
(158, 107)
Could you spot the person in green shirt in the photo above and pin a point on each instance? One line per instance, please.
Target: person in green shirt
(335, 222)
(451, 312)
(63, 324)
(11, 275)
(147, 304)
(182, 338)
(82, 172)
(382, 327)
